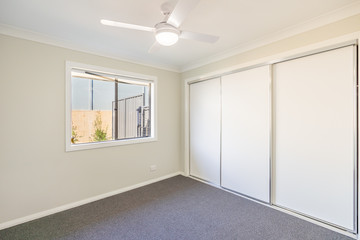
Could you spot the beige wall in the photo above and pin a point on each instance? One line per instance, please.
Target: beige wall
(36, 173)
(343, 27)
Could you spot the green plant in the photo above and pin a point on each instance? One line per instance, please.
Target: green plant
(74, 134)
(100, 133)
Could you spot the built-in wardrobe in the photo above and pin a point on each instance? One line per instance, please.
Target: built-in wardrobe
(283, 133)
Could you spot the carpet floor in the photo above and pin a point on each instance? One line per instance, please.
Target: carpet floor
(176, 208)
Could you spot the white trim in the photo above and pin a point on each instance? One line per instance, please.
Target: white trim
(287, 54)
(71, 147)
(358, 118)
(337, 15)
(269, 59)
(187, 129)
(82, 202)
(46, 39)
(111, 71)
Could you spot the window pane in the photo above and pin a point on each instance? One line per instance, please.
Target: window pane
(108, 107)
(133, 111)
(91, 110)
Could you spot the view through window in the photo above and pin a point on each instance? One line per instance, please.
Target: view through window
(107, 107)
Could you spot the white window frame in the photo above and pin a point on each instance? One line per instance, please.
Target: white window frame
(153, 104)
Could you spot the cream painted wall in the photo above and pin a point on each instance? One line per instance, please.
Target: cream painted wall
(336, 29)
(36, 174)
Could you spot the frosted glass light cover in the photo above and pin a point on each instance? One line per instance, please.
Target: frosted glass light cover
(166, 38)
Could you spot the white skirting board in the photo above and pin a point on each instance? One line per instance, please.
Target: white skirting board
(82, 202)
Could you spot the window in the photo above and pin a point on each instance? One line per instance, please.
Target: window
(107, 107)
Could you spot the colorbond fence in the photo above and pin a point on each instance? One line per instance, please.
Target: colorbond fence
(133, 120)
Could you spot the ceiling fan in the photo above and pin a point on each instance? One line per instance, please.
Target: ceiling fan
(167, 32)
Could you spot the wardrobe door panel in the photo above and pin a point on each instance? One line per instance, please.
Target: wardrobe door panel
(314, 136)
(245, 132)
(205, 130)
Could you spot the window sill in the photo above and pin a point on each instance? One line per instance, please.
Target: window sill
(85, 146)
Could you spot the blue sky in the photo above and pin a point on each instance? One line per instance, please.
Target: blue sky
(103, 93)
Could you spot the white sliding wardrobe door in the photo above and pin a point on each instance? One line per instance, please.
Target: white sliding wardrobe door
(314, 136)
(205, 130)
(245, 132)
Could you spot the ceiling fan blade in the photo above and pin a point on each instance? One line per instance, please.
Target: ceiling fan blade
(155, 47)
(127, 25)
(199, 37)
(181, 10)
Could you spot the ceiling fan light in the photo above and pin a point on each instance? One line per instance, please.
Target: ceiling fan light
(167, 35)
(167, 38)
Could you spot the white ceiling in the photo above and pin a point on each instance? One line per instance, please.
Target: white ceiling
(239, 23)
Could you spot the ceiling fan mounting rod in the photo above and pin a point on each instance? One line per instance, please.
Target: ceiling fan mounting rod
(166, 9)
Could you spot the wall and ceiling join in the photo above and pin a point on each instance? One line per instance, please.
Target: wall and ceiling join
(287, 134)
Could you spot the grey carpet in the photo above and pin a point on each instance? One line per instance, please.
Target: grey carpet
(176, 208)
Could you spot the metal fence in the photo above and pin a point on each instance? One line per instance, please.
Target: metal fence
(133, 118)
